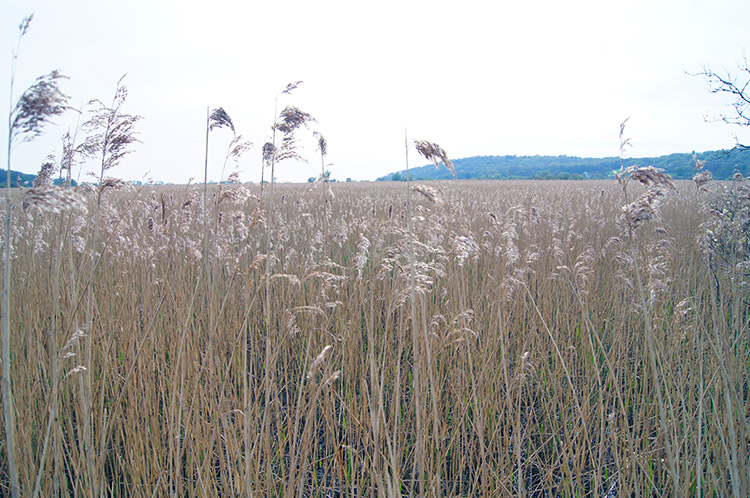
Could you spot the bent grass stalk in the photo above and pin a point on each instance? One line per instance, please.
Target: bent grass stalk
(435, 153)
(112, 133)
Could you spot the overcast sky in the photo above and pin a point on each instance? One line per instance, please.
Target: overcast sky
(543, 77)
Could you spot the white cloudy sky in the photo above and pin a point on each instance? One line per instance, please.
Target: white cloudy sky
(478, 77)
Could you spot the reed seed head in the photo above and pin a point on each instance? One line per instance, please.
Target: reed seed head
(318, 360)
(220, 119)
(36, 107)
(433, 152)
(292, 118)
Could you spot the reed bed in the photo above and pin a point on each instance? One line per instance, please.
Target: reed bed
(538, 376)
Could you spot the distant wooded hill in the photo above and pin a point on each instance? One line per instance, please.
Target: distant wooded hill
(722, 164)
(18, 179)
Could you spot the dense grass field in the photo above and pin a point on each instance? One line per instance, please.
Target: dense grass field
(528, 339)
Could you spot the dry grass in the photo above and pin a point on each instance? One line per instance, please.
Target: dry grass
(539, 380)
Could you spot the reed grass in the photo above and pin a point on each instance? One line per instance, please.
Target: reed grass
(526, 293)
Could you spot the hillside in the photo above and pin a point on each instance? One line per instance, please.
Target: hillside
(722, 164)
(18, 179)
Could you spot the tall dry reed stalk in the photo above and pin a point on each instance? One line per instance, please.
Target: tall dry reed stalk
(285, 122)
(644, 209)
(111, 133)
(421, 342)
(27, 116)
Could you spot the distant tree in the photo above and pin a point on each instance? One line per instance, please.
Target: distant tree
(62, 181)
(311, 179)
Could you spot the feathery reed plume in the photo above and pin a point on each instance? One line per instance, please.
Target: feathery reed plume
(465, 248)
(46, 172)
(318, 361)
(220, 119)
(332, 378)
(67, 157)
(658, 186)
(646, 208)
(291, 87)
(698, 164)
(322, 144)
(53, 199)
(324, 177)
(286, 122)
(421, 345)
(650, 176)
(363, 253)
(268, 151)
(111, 134)
(238, 147)
(702, 177)
(287, 150)
(75, 370)
(624, 142)
(36, 107)
(429, 193)
(111, 183)
(292, 118)
(72, 150)
(23, 27)
(323, 149)
(433, 152)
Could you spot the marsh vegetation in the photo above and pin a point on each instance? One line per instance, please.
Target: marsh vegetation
(538, 374)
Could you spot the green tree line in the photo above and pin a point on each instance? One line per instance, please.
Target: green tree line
(722, 164)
